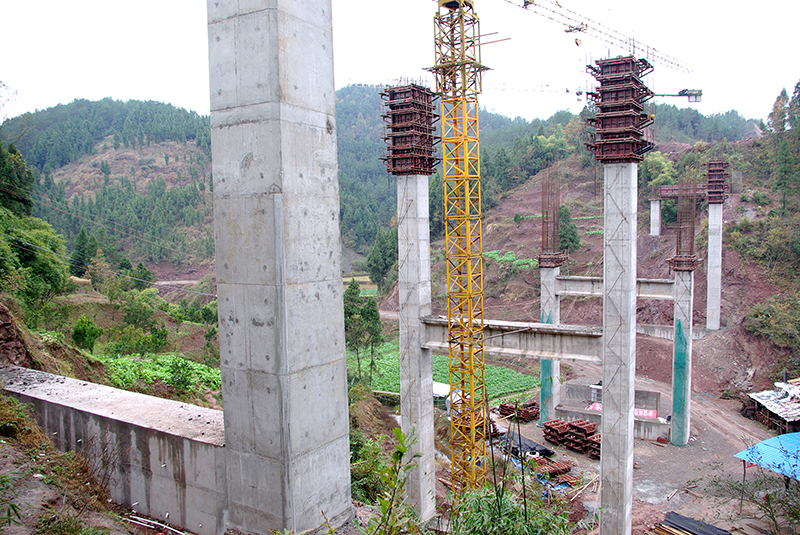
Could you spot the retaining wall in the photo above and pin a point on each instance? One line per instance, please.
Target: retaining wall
(162, 458)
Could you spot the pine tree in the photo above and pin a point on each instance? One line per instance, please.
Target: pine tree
(17, 182)
(81, 253)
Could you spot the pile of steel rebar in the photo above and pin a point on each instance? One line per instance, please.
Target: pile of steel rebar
(525, 413)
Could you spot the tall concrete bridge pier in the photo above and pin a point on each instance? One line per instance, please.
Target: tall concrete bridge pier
(276, 210)
(619, 144)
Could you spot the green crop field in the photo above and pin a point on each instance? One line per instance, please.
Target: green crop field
(386, 377)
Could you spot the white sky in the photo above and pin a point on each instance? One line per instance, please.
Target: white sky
(741, 57)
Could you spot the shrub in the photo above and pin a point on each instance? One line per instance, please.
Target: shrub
(369, 462)
(778, 320)
(490, 511)
(761, 199)
(85, 333)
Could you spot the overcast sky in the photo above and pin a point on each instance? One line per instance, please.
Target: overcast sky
(741, 57)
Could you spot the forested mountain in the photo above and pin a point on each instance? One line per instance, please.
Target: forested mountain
(136, 174)
(367, 195)
(687, 125)
(54, 137)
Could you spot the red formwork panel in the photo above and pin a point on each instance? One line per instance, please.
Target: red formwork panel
(409, 113)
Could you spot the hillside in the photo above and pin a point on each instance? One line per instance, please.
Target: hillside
(114, 150)
(143, 192)
(732, 359)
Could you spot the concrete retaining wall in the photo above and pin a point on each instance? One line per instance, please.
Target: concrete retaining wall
(162, 458)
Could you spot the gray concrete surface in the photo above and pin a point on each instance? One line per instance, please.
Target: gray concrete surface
(619, 347)
(533, 340)
(655, 217)
(593, 287)
(714, 295)
(682, 358)
(276, 206)
(416, 369)
(164, 459)
(550, 312)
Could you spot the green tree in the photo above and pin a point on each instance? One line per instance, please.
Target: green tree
(568, 239)
(16, 181)
(85, 333)
(82, 253)
(371, 317)
(654, 171)
(382, 258)
(115, 289)
(136, 312)
(125, 264)
(356, 332)
(143, 277)
(31, 260)
(105, 169)
(785, 177)
(436, 205)
(178, 317)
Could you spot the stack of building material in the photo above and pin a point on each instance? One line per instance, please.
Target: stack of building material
(524, 413)
(578, 433)
(675, 524)
(594, 446)
(522, 447)
(555, 431)
(569, 479)
(550, 468)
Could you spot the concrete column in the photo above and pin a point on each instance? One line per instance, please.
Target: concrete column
(416, 371)
(281, 320)
(714, 297)
(619, 348)
(550, 308)
(655, 217)
(682, 358)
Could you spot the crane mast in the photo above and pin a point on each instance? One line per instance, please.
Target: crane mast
(458, 73)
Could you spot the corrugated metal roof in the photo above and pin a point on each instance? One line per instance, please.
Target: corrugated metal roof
(784, 401)
(780, 454)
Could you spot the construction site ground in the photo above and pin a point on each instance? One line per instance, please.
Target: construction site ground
(718, 432)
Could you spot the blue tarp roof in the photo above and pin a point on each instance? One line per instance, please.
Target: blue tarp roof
(780, 454)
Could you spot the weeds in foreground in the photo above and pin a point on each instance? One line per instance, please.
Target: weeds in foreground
(9, 511)
(64, 523)
(762, 495)
(395, 516)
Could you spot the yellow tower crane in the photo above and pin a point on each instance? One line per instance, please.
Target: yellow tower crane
(458, 73)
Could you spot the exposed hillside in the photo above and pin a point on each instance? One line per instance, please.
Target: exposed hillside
(111, 151)
(732, 359)
(136, 199)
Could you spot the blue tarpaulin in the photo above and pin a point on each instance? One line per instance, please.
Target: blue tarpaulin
(780, 454)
